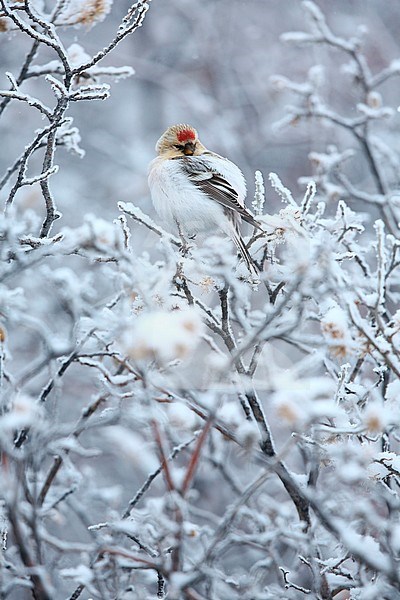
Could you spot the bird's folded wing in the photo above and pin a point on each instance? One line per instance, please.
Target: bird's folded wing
(215, 186)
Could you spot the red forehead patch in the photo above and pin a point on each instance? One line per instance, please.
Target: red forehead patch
(185, 135)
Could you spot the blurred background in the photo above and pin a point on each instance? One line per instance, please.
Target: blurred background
(209, 64)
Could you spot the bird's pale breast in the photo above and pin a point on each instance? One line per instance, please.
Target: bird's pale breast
(176, 198)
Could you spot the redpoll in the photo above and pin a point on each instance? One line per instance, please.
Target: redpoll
(197, 191)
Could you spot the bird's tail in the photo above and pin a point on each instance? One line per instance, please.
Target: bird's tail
(241, 246)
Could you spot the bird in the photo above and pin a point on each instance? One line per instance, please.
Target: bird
(199, 192)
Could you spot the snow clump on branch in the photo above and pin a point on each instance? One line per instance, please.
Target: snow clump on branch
(163, 336)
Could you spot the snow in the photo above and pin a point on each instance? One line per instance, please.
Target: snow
(373, 112)
(163, 336)
(77, 55)
(365, 546)
(383, 465)
(393, 391)
(137, 213)
(298, 37)
(93, 91)
(23, 412)
(181, 417)
(132, 361)
(247, 434)
(130, 444)
(81, 574)
(116, 73)
(284, 193)
(309, 197)
(336, 329)
(351, 473)
(377, 416)
(259, 195)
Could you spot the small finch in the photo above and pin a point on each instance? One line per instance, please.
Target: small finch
(197, 191)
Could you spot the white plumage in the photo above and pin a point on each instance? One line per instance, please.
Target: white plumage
(198, 192)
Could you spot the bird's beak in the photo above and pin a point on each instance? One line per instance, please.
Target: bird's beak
(189, 148)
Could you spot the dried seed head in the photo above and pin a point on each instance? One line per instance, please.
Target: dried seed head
(85, 12)
(4, 25)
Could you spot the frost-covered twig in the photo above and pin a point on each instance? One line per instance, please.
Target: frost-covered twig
(131, 22)
(14, 95)
(308, 197)
(259, 194)
(370, 107)
(283, 192)
(136, 213)
(381, 269)
(141, 361)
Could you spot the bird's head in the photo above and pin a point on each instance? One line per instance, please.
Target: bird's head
(179, 140)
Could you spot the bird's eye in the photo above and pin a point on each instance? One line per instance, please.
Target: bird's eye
(178, 146)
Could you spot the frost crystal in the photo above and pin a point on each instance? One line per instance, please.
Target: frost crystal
(259, 195)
